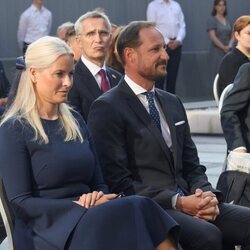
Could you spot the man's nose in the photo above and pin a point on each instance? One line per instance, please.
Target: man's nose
(165, 55)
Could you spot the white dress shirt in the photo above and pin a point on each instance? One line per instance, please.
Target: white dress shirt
(94, 70)
(169, 19)
(34, 23)
(138, 90)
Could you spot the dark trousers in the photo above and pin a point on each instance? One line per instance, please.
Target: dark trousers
(169, 82)
(231, 227)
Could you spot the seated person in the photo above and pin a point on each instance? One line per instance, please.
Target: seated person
(4, 86)
(143, 142)
(235, 113)
(239, 55)
(51, 172)
(70, 39)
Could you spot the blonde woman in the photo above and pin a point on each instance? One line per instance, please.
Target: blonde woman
(51, 172)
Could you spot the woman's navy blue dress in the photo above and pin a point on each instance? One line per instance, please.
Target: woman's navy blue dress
(43, 180)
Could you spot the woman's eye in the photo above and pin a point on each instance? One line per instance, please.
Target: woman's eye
(59, 74)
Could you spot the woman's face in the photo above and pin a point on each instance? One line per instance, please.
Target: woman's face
(243, 37)
(220, 8)
(52, 84)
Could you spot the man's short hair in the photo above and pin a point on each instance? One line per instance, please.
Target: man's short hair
(91, 14)
(130, 37)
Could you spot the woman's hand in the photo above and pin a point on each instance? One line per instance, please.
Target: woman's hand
(89, 200)
(105, 198)
(95, 198)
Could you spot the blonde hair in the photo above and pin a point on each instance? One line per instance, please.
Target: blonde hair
(41, 54)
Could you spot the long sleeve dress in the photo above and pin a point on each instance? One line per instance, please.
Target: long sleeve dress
(42, 181)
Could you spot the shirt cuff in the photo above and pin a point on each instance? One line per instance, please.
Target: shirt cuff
(174, 200)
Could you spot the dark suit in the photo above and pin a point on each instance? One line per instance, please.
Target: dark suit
(235, 113)
(136, 160)
(85, 88)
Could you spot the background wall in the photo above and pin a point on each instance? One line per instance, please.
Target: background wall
(192, 82)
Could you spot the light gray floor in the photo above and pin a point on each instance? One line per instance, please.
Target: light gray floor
(212, 153)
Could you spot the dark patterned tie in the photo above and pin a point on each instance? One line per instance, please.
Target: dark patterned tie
(153, 112)
(104, 82)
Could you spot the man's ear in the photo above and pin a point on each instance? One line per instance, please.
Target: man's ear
(129, 55)
(110, 39)
(33, 74)
(79, 41)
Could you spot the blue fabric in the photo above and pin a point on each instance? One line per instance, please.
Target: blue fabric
(152, 109)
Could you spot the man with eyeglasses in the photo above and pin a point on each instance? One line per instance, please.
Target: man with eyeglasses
(92, 77)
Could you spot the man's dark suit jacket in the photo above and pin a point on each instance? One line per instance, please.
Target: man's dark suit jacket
(85, 88)
(133, 153)
(235, 112)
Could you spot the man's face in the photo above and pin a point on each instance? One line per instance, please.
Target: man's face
(151, 57)
(38, 2)
(94, 40)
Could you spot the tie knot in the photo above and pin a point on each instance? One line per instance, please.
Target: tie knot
(149, 94)
(102, 73)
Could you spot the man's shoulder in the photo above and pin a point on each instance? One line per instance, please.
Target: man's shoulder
(165, 94)
(80, 68)
(47, 11)
(26, 13)
(175, 4)
(114, 74)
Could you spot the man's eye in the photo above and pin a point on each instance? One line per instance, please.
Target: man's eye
(90, 34)
(155, 49)
(104, 33)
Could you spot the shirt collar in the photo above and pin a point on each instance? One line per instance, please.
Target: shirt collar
(136, 88)
(93, 68)
(161, 1)
(34, 8)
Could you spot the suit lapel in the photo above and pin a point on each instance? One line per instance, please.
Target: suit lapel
(140, 111)
(88, 79)
(113, 79)
(167, 111)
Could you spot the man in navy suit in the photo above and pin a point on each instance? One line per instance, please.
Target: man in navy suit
(93, 31)
(144, 146)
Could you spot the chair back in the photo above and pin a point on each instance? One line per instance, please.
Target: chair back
(224, 94)
(215, 89)
(7, 215)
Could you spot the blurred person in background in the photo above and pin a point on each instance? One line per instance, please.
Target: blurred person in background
(62, 30)
(35, 22)
(169, 19)
(4, 86)
(70, 39)
(113, 59)
(239, 55)
(220, 33)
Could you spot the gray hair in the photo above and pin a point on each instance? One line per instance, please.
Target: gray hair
(91, 14)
